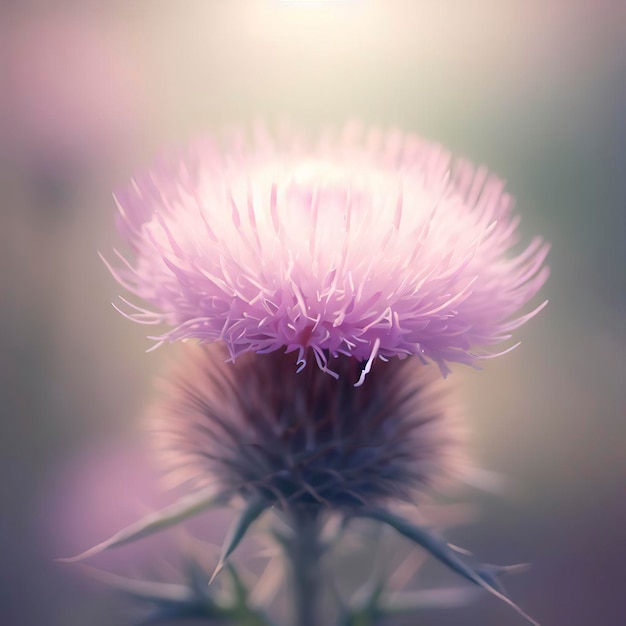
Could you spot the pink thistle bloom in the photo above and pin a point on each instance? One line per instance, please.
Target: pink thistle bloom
(367, 244)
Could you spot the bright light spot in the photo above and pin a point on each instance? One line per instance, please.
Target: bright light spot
(317, 2)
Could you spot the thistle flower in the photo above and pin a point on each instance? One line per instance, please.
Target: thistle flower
(350, 251)
(369, 245)
(258, 428)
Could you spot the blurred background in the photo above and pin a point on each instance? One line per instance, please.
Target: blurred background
(91, 91)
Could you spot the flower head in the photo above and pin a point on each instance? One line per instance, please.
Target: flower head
(365, 245)
(258, 428)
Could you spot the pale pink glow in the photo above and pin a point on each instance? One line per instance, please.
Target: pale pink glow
(367, 244)
(73, 89)
(106, 488)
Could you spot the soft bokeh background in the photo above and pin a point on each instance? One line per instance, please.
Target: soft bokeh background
(90, 91)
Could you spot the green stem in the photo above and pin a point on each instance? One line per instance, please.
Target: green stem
(304, 552)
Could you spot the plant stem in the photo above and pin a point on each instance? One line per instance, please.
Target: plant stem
(304, 552)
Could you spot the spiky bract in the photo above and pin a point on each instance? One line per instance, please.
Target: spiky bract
(260, 428)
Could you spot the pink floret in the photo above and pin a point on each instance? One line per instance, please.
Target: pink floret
(373, 245)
